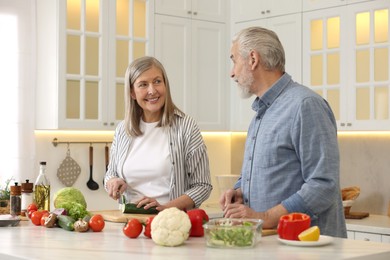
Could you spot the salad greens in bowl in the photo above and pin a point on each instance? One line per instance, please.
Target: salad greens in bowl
(233, 233)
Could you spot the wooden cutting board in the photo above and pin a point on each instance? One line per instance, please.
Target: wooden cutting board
(119, 217)
(357, 215)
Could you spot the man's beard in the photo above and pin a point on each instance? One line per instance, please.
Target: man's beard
(244, 88)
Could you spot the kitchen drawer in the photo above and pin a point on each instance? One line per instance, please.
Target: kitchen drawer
(368, 236)
(385, 239)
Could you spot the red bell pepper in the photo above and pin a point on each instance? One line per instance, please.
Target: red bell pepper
(197, 217)
(291, 225)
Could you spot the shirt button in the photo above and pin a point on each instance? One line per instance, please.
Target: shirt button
(246, 201)
(250, 158)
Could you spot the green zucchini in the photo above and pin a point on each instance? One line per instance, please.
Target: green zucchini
(132, 208)
(66, 222)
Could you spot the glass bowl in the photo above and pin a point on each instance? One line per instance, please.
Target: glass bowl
(233, 233)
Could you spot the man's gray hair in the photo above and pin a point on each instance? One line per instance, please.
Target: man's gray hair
(265, 42)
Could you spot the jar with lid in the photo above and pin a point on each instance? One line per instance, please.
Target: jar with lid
(27, 195)
(42, 189)
(15, 199)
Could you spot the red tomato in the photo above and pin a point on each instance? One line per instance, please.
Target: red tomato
(32, 206)
(30, 212)
(96, 223)
(133, 228)
(45, 214)
(36, 217)
(147, 231)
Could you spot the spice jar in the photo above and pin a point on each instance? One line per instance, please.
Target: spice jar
(15, 199)
(27, 195)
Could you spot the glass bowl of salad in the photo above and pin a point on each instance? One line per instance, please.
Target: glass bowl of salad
(232, 232)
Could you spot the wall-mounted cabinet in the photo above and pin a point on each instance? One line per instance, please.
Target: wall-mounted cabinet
(206, 10)
(194, 55)
(288, 27)
(84, 47)
(258, 9)
(346, 60)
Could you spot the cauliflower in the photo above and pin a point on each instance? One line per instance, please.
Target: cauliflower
(171, 227)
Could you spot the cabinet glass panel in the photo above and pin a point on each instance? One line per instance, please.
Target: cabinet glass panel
(92, 15)
(73, 11)
(362, 66)
(122, 57)
(333, 68)
(73, 54)
(381, 25)
(316, 70)
(139, 49)
(122, 17)
(73, 99)
(362, 28)
(381, 64)
(139, 19)
(333, 99)
(92, 56)
(333, 32)
(381, 101)
(363, 103)
(120, 102)
(91, 100)
(316, 34)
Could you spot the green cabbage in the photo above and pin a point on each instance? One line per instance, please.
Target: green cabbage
(69, 194)
(72, 200)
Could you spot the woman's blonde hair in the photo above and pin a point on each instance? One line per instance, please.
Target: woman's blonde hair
(133, 111)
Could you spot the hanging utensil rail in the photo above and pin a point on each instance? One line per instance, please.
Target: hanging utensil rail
(55, 142)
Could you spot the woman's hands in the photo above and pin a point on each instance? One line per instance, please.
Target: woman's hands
(147, 203)
(116, 186)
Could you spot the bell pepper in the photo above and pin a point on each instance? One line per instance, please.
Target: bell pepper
(197, 217)
(291, 225)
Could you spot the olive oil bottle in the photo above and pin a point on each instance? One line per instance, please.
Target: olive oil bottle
(42, 189)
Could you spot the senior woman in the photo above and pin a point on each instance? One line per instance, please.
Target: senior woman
(158, 157)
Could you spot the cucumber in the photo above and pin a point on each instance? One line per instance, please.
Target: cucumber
(132, 208)
(66, 222)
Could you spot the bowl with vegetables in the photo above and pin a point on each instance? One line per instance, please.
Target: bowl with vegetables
(233, 233)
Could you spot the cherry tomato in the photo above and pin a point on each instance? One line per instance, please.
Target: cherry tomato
(45, 214)
(147, 231)
(36, 217)
(96, 223)
(133, 228)
(32, 206)
(30, 212)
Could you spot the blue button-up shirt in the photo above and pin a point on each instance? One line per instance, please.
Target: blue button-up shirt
(292, 157)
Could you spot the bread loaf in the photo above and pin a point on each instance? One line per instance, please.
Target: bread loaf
(350, 193)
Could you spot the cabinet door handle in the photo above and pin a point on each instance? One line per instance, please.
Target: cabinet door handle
(189, 12)
(349, 124)
(105, 124)
(112, 123)
(195, 13)
(268, 11)
(262, 12)
(342, 124)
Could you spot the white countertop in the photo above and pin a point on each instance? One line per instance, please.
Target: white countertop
(27, 241)
(373, 224)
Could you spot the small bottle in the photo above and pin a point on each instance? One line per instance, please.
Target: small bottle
(42, 189)
(15, 199)
(27, 195)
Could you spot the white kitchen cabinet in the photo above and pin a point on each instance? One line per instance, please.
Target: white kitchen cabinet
(385, 238)
(83, 49)
(311, 5)
(246, 10)
(207, 10)
(194, 55)
(288, 28)
(368, 236)
(346, 60)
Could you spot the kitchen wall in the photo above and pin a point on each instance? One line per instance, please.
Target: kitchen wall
(364, 163)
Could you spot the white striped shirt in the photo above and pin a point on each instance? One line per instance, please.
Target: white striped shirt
(188, 154)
